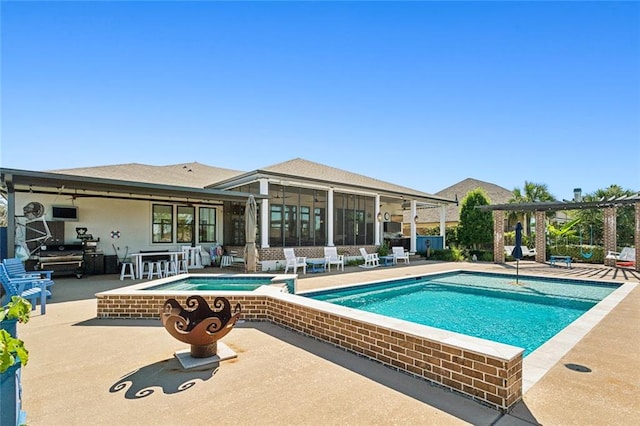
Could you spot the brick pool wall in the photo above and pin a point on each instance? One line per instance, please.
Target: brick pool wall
(489, 379)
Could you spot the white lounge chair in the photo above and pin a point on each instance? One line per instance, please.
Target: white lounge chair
(293, 261)
(626, 257)
(399, 254)
(371, 260)
(526, 251)
(332, 257)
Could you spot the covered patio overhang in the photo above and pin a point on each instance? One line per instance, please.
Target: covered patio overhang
(26, 181)
(540, 208)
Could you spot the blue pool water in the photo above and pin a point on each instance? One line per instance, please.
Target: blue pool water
(224, 283)
(489, 306)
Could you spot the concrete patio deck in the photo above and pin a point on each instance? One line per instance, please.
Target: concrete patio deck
(84, 370)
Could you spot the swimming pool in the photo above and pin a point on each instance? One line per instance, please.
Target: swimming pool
(490, 372)
(198, 283)
(488, 306)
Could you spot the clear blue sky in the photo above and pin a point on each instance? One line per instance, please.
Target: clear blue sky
(421, 94)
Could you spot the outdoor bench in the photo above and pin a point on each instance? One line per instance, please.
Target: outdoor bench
(557, 258)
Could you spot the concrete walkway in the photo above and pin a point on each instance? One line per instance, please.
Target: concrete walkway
(83, 370)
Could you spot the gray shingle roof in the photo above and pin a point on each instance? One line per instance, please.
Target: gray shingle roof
(496, 194)
(193, 175)
(197, 175)
(301, 168)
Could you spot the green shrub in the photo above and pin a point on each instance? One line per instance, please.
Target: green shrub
(383, 250)
(447, 255)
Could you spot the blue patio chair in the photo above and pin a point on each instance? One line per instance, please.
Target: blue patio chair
(28, 288)
(15, 269)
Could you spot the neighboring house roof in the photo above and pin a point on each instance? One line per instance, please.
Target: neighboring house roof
(496, 194)
(193, 175)
(301, 169)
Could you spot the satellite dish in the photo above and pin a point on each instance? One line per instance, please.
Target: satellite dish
(33, 210)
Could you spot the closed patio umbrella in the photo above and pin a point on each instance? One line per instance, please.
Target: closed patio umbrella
(517, 250)
(250, 224)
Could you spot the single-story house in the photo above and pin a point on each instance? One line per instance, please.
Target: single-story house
(430, 218)
(129, 208)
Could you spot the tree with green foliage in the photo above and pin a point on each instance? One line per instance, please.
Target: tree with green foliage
(475, 229)
(532, 193)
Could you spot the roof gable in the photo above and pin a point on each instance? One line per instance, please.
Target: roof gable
(497, 194)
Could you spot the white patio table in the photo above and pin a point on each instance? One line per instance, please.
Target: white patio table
(174, 256)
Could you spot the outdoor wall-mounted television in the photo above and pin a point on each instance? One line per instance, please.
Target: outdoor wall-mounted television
(64, 213)
(393, 227)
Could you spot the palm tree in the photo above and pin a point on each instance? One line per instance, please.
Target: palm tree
(533, 192)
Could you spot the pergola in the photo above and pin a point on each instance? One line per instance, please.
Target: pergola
(609, 206)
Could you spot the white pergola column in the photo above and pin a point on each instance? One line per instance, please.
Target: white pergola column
(377, 219)
(443, 222)
(330, 217)
(264, 214)
(413, 239)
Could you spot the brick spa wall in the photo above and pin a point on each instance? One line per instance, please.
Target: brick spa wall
(485, 371)
(143, 306)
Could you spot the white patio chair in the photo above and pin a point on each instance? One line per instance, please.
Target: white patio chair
(293, 261)
(400, 254)
(371, 260)
(332, 257)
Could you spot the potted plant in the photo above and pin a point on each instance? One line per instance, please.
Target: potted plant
(18, 309)
(383, 250)
(13, 355)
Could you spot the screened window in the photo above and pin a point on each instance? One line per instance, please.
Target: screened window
(233, 217)
(353, 219)
(234, 223)
(162, 226)
(297, 216)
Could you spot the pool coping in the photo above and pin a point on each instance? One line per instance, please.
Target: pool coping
(157, 282)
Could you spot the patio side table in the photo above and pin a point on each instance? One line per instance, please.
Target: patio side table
(317, 265)
(388, 260)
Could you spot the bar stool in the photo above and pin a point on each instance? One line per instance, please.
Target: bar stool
(155, 269)
(127, 271)
(169, 267)
(183, 264)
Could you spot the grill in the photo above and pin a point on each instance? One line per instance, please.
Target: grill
(62, 258)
